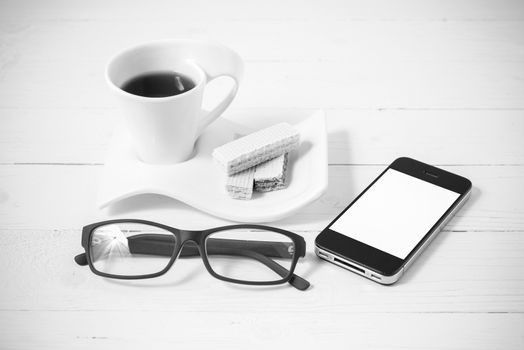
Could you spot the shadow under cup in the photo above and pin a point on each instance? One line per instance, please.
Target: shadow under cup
(162, 129)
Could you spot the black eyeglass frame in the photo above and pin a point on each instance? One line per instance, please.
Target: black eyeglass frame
(198, 237)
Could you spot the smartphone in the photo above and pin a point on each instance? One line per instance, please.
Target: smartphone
(389, 224)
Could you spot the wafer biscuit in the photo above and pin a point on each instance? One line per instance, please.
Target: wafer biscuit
(240, 185)
(271, 175)
(255, 148)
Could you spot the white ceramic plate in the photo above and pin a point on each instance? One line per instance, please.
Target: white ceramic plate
(200, 183)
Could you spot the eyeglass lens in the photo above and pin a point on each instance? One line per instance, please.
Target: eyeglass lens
(131, 249)
(250, 255)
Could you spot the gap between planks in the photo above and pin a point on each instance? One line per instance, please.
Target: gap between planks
(341, 108)
(298, 311)
(330, 164)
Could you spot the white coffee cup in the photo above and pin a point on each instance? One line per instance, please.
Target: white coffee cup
(164, 129)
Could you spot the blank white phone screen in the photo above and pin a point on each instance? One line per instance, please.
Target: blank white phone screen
(395, 213)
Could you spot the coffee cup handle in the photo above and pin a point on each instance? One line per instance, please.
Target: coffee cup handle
(223, 62)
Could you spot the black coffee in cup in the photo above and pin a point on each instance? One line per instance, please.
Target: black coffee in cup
(158, 84)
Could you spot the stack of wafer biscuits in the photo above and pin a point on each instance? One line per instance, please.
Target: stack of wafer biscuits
(257, 161)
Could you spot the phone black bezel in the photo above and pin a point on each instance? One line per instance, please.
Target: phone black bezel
(375, 259)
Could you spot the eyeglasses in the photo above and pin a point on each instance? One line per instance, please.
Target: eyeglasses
(245, 254)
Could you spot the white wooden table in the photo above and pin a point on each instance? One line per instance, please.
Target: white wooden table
(441, 81)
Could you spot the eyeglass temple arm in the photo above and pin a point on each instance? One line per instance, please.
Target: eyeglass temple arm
(163, 245)
(160, 244)
(259, 250)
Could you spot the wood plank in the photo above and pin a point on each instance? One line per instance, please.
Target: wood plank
(138, 330)
(354, 136)
(61, 197)
(39, 274)
(276, 10)
(420, 85)
(355, 65)
(307, 40)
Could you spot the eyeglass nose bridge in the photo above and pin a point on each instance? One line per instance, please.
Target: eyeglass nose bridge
(190, 236)
(190, 243)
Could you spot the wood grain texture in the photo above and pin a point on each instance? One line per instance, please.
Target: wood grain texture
(450, 277)
(272, 10)
(355, 64)
(438, 80)
(61, 197)
(418, 84)
(233, 330)
(361, 137)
